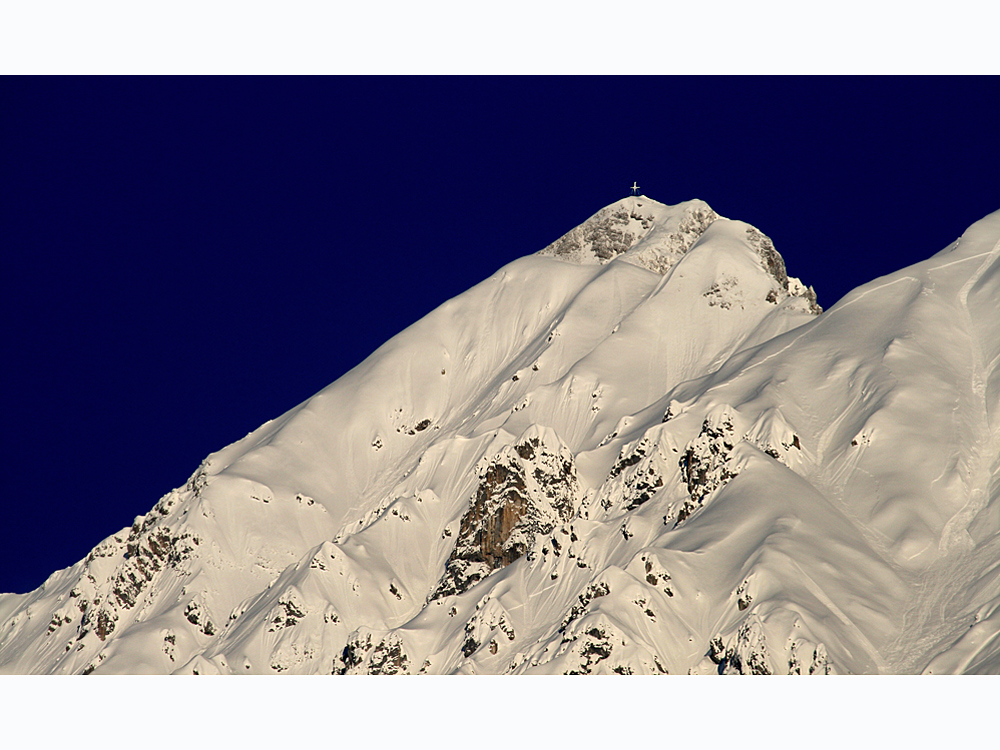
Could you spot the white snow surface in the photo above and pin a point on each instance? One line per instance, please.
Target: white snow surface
(711, 477)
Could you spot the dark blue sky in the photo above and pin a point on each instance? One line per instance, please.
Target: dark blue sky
(188, 258)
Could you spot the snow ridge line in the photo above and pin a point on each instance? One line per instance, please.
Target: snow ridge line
(952, 533)
(925, 626)
(809, 326)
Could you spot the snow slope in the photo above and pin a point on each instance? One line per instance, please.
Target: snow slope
(641, 450)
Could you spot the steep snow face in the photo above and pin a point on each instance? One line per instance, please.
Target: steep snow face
(637, 451)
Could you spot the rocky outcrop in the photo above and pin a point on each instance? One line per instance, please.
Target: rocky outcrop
(749, 652)
(490, 627)
(774, 264)
(636, 476)
(524, 491)
(593, 591)
(605, 235)
(152, 546)
(637, 228)
(661, 253)
(363, 655)
(706, 465)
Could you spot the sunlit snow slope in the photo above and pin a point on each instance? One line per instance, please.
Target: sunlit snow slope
(641, 450)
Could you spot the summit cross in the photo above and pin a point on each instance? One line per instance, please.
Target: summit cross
(635, 188)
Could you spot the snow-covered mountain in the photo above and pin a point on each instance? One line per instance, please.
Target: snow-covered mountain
(641, 450)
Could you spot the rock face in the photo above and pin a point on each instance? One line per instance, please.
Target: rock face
(640, 451)
(637, 228)
(523, 492)
(707, 462)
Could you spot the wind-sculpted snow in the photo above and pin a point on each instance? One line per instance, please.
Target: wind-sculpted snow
(641, 451)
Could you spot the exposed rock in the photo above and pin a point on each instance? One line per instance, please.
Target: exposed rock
(388, 657)
(523, 492)
(743, 599)
(589, 648)
(169, 644)
(725, 293)
(604, 235)
(773, 263)
(815, 661)
(661, 254)
(655, 574)
(593, 591)
(355, 650)
(105, 623)
(630, 229)
(490, 621)
(705, 465)
(748, 654)
(775, 267)
(287, 612)
(362, 656)
(635, 477)
(149, 549)
(195, 614)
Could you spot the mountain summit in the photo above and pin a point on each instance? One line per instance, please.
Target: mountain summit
(640, 450)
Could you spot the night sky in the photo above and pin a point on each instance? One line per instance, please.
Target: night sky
(186, 259)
